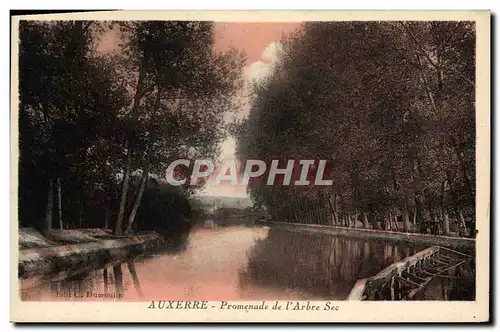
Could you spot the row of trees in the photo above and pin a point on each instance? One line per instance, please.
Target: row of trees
(98, 129)
(390, 106)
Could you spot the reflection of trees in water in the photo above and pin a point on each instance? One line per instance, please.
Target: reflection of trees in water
(460, 285)
(103, 281)
(464, 288)
(117, 271)
(321, 265)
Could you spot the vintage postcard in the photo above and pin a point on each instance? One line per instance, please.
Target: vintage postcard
(253, 166)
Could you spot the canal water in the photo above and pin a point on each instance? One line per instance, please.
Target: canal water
(234, 263)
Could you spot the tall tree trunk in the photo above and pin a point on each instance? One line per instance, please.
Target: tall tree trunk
(389, 224)
(318, 214)
(123, 197)
(138, 197)
(80, 216)
(295, 204)
(297, 207)
(465, 173)
(49, 208)
(139, 93)
(462, 226)
(335, 212)
(446, 223)
(321, 210)
(330, 210)
(145, 171)
(444, 213)
(419, 218)
(406, 219)
(107, 212)
(435, 225)
(375, 221)
(313, 214)
(59, 203)
(365, 220)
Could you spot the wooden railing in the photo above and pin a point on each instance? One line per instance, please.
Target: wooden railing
(412, 274)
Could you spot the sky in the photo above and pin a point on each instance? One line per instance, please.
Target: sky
(260, 43)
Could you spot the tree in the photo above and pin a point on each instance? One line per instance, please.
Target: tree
(97, 131)
(62, 112)
(386, 105)
(181, 93)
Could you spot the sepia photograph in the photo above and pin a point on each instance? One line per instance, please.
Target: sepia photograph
(223, 166)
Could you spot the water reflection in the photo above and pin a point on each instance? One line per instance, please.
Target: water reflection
(324, 266)
(117, 271)
(206, 270)
(460, 286)
(135, 278)
(233, 264)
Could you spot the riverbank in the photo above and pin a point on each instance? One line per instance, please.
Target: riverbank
(416, 238)
(70, 252)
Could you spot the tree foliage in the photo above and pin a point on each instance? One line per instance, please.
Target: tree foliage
(389, 105)
(100, 127)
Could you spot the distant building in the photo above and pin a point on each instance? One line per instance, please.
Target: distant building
(210, 224)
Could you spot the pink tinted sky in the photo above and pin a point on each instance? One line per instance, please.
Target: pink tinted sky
(250, 38)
